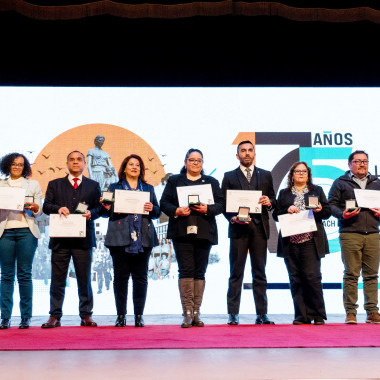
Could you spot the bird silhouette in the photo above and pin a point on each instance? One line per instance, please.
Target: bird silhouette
(163, 165)
(40, 172)
(30, 151)
(46, 156)
(59, 168)
(155, 172)
(163, 155)
(52, 169)
(150, 159)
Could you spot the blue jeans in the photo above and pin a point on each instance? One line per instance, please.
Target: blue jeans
(17, 248)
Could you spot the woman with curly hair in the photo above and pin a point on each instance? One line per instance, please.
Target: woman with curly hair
(19, 235)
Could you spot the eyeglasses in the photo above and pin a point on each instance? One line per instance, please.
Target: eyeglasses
(194, 161)
(17, 165)
(360, 162)
(300, 171)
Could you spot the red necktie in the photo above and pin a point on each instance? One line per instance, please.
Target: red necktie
(76, 182)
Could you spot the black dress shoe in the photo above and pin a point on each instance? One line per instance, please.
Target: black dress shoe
(319, 321)
(5, 324)
(262, 319)
(233, 319)
(139, 321)
(88, 322)
(299, 322)
(120, 321)
(24, 324)
(51, 323)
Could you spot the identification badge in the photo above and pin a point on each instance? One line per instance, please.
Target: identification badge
(192, 230)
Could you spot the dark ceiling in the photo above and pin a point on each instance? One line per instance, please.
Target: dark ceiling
(198, 51)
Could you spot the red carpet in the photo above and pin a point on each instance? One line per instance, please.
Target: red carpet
(211, 336)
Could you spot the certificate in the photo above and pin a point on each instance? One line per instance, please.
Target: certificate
(204, 193)
(131, 202)
(243, 198)
(294, 224)
(73, 225)
(12, 198)
(367, 198)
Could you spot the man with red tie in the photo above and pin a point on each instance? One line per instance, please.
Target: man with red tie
(63, 196)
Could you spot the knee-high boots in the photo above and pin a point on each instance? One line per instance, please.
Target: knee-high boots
(199, 288)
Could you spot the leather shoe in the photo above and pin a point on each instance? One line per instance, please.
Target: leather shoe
(262, 319)
(88, 322)
(319, 321)
(139, 321)
(51, 323)
(233, 319)
(298, 322)
(120, 321)
(5, 324)
(24, 324)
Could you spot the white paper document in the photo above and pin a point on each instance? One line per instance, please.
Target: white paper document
(294, 224)
(243, 198)
(73, 225)
(131, 202)
(12, 198)
(203, 191)
(367, 198)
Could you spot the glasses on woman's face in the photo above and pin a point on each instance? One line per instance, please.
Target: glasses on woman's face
(195, 161)
(300, 172)
(17, 165)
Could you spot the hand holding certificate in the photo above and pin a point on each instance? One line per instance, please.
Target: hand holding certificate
(367, 198)
(297, 223)
(12, 198)
(72, 225)
(131, 202)
(203, 193)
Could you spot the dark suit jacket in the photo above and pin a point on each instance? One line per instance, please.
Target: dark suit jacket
(206, 223)
(234, 180)
(285, 200)
(57, 197)
(118, 225)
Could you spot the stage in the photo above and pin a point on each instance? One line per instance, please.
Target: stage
(217, 363)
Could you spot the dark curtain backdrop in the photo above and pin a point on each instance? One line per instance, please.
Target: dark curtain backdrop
(187, 43)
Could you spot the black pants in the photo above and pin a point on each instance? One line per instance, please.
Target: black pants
(304, 269)
(60, 260)
(192, 255)
(124, 265)
(256, 242)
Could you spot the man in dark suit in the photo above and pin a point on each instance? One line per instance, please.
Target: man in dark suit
(63, 195)
(249, 236)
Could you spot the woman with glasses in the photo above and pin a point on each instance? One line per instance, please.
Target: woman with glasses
(19, 235)
(130, 239)
(303, 252)
(193, 230)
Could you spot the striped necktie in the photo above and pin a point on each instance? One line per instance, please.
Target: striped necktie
(249, 177)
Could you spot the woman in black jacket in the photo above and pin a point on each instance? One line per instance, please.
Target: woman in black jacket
(193, 231)
(303, 252)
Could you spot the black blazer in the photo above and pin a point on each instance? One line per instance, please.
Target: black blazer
(57, 197)
(234, 180)
(284, 201)
(118, 224)
(206, 223)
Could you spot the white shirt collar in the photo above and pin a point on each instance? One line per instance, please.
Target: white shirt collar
(71, 179)
(243, 169)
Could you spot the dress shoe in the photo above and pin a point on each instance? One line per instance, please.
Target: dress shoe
(88, 322)
(350, 319)
(299, 322)
(139, 321)
(262, 319)
(5, 324)
(373, 318)
(120, 321)
(51, 323)
(319, 321)
(24, 324)
(233, 319)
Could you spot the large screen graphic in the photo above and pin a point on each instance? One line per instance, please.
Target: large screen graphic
(321, 126)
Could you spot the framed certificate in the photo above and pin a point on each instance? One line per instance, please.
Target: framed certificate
(131, 202)
(12, 198)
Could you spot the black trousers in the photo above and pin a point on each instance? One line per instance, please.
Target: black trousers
(256, 243)
(60, 260)
(304, 269)
(125, 265)
(192, 255)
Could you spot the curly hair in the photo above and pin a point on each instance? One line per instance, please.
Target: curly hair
(121, 174)
(309, 183)
(7, 161)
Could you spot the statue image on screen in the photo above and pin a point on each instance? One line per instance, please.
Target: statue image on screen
(99, 165)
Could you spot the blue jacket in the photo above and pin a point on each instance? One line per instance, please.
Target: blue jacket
(118, 224)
